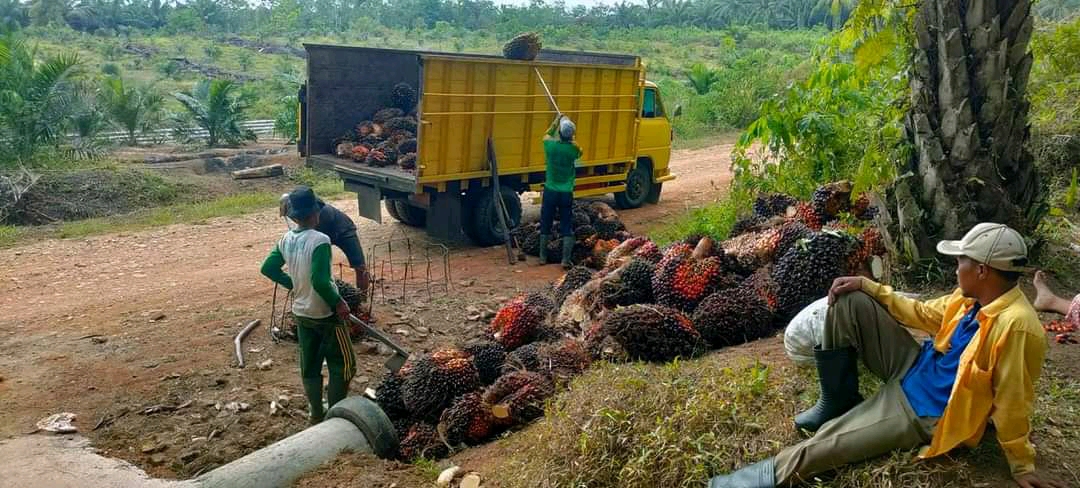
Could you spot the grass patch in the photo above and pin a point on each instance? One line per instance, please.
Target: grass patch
(676, 425)
(9, 234)
(714, 220)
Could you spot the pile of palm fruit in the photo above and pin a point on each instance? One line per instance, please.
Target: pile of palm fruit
(389, 138)
(639, 302)
(597, 230)
(524, 47)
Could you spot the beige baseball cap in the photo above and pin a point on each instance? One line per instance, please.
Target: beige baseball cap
(996, 245)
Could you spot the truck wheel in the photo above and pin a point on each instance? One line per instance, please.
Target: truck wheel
(482, 225)
(410, 215)
(654, 195)
(638, 186)
(391, 208)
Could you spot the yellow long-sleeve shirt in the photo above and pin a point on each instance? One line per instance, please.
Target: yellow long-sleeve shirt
(996, 377)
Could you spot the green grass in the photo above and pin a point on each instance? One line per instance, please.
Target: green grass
(676, 425)
(9, 235)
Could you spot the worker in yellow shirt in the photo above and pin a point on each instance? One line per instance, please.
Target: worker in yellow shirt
(981, 366)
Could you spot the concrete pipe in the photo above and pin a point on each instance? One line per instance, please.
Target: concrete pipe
(355, 424)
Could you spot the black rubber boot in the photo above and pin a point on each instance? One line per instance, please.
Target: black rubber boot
(761, 474)
(838, 374)
(567, 252)
(313, 392)
(544, 238)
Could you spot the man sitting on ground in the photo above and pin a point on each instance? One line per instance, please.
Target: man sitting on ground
(981, 366)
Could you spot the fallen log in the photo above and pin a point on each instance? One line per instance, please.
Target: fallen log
(269, 171)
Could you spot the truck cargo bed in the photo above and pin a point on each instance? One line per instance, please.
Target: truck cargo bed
(389, 177)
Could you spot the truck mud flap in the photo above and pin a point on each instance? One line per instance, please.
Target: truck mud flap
(369, 201)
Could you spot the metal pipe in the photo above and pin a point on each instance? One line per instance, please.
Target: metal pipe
(238, 341)
(544, 84)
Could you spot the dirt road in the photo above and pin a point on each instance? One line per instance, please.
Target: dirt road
(111, 327)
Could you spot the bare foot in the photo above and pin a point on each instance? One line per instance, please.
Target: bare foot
(1044, 298)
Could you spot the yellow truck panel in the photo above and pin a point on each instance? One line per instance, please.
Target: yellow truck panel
(466, 101)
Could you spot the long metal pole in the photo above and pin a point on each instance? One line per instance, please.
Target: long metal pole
(544, 84)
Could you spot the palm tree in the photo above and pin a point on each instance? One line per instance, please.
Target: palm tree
(35, 98)
(13, 15)
(968, 122)
(132, 108)
(701, 78)
(835, 10)
(218, 107)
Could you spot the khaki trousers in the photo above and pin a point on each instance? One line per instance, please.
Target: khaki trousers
(883, 423)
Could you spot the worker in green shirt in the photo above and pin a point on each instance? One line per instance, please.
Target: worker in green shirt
(319, 310)
(561, 155)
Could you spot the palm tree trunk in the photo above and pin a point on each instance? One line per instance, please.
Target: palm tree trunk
(968, 122)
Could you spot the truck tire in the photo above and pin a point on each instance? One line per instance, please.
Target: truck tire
(391, 208)
(482, 225)
(654, 195)
(410, 215)
(638, 187)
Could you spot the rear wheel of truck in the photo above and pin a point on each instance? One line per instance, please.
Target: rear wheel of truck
(391, 208)
(654, 195)
(482, 224)
(638, 187)
(410, 215)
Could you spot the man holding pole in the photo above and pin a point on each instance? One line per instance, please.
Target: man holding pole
(561, 155)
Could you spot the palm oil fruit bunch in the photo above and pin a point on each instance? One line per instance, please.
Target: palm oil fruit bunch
(806, 271)
(830, 200)
(732, 317)
(518, 397)
(422, 440)
(435, 380)
(570, 281)
(403, 97)
(685, 276)
(488, 357)
(468, 420)
(516, 322)
(632, 285)
(768, 206)
(653, 332)
(524, 47)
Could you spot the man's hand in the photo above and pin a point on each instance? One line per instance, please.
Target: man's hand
(342, 311)
(1031, 480)
(843, 286)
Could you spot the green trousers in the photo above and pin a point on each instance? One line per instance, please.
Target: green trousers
(883, 423)
(324, 340)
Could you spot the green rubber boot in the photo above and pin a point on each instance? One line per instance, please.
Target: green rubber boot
(313, 391)
(567, 251)
(544, 238)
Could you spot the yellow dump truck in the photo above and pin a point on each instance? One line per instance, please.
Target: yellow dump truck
(463, 100)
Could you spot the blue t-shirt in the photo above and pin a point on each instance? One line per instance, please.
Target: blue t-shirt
(929, 382)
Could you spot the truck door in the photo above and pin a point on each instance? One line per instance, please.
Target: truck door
(654, 135)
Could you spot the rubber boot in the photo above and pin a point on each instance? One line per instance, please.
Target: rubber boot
(838, 374)
(313, 391)
(758, 475)
(336, 389)
(544, 238)
(567, 252)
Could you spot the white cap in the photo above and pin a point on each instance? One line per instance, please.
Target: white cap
(566, 128)
(996, 245)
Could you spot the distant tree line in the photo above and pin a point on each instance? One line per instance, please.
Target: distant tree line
(276, 16)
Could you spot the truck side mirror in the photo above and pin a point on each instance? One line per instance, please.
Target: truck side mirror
(677, 112)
